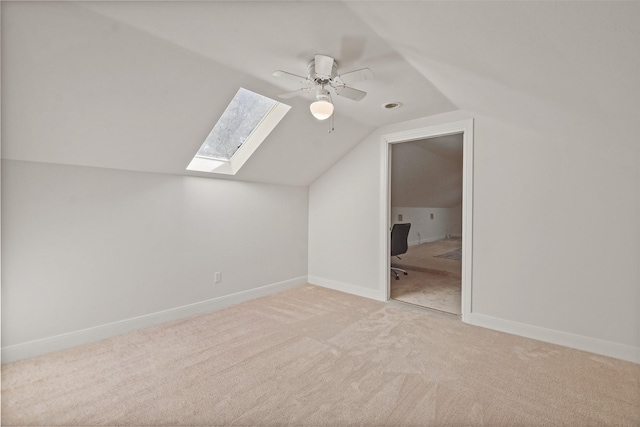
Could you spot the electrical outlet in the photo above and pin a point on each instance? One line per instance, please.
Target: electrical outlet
(217, 277)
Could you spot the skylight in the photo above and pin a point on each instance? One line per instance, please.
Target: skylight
(245, 123)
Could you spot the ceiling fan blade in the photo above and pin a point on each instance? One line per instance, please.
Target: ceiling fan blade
(323, 65)
(294, 77)
(349, 92)
(300, 91)
(355, 76)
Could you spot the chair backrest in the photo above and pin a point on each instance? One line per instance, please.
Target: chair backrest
(399, 236)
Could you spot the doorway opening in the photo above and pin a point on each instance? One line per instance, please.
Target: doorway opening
(426, 196)
(428, 184)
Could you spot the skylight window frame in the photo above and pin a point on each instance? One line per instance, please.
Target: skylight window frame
(245, 141)
(260, 132)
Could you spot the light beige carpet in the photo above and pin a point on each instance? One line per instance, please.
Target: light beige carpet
(431, 290)
(313, 356)
(433, 282)
(425, 257)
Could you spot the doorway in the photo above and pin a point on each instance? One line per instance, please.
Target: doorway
(427, 181)
(426, 195)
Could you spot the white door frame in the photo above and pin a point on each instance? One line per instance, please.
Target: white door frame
(466, 128)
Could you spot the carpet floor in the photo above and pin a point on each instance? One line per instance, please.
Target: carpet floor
(430, 290)
(434, 279)
(314, 356)
(427, 257)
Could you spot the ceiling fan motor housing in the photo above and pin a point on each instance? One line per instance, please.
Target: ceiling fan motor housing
(320, 78)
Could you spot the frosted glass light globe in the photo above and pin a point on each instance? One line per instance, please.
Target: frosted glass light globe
(321, 109)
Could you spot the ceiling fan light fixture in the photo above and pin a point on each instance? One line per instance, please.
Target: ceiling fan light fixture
(322, 108)
(322, 75)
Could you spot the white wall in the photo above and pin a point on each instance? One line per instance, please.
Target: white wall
(556, 233)
(86, 247)
(425, 229)
(342, 246)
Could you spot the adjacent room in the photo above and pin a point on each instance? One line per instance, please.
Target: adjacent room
(426, 196)
(198, 198)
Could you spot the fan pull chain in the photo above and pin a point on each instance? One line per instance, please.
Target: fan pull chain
(332, 116)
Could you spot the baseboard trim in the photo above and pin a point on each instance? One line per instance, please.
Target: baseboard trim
(348, 288)
(580, 342)
(72, 339)
(425, 240)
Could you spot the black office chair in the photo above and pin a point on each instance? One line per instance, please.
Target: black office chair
(399, 244)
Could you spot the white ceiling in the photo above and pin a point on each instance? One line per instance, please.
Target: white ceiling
(138, 85)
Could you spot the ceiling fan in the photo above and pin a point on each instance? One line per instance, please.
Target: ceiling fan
(323, 78)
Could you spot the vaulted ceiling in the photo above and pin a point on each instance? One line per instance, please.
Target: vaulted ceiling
(139, 85)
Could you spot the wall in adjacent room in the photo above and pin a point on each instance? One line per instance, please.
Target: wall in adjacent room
(103, 251)
(426, 229)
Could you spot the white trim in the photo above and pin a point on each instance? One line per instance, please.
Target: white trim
(427, 240)
(580, 342)
(71, 339)
(385, 218)
(348, 288)
(466, 128)
(467, 219)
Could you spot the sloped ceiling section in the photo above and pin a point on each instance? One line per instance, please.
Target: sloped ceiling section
(427, 173)
(561, 68)
(139, 85)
